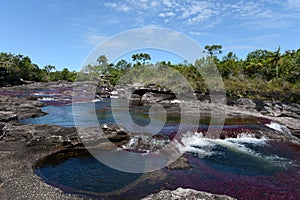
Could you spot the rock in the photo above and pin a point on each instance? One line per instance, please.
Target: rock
(246, 104)
(41, 136)
(154, 97)
(186, 194)
(150, 93)
(180, 163)
(146, 143)
(92, 136)
(279, 109)
(12, 108)
(2, 131)
(115, 133)
(6, 116)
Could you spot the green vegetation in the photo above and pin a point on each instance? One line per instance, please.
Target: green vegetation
(14, 68)
(262, 74)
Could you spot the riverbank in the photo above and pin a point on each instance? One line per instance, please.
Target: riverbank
(21, 146)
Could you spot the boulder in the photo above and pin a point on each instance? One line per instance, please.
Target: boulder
(186, 194)
(153, 97)
(146, 143)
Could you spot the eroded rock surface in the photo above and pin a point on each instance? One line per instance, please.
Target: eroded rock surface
(13, 108)
(186, 194)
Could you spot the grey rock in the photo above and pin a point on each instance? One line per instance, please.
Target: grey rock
(246, 104)
(92, 136)
(41, 136)
(146, 143)
(6, 116)
(153, 97)
(185, 194)
(2, 130)
(12, 108)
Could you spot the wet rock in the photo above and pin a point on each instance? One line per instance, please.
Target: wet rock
(185, 194)
(146, 143)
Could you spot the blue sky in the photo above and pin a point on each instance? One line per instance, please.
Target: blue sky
(62, 33)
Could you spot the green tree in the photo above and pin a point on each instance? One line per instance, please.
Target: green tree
(213, 49)
(258, 63)
(122, 65)
(49, 68)
(228, 65)
(141, 57)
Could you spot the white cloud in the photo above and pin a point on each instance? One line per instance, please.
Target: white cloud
(205, 9)
(154, 3)
(170, 14)
(161, 15)
(167, 3)
(118, 6)
(208, 13)
(198, 33)
(294, 4)
(167, 14)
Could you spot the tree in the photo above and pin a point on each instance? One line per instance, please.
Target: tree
(228, 65)
(102, 60)
(64, 74)
(140, 57)
(213, 49)
(258, 63)
(275, 58)
(122, 65)
(49, 68)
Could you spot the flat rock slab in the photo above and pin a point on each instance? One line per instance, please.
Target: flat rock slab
(186, 194)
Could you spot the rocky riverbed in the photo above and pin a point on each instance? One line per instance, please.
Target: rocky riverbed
(21, 146)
